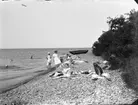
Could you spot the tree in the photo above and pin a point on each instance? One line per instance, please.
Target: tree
(120, 35)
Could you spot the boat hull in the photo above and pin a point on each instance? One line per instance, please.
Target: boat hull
(78, 52)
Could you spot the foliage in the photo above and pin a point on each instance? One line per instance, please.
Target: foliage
(97, 48)
(120, 38)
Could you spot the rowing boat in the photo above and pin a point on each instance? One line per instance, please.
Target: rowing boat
(78, 52)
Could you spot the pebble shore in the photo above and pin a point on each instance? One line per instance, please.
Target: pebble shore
(77, 90)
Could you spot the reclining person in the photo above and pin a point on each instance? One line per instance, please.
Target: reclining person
(64, 73)
(99, 72)
(56, 74)
(97, 68)
(86, 72)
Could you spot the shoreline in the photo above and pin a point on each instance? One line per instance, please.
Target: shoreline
(27, 79)
(78, 90)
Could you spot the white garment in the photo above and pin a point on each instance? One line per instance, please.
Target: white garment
(106, 75)
(66, 72)
(95, 76)
(56, 59)
(48, 60)
(78, 61)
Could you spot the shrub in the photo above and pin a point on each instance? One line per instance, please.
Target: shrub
(119, 39)
(97, 48)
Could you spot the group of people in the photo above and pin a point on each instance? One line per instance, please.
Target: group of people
(62, 59)
(54, 59)
(66, 61)
(67, 72)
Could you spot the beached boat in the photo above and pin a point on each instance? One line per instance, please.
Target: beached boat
(78, 52)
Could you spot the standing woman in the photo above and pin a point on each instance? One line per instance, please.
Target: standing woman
(48, 59)
(55, 58)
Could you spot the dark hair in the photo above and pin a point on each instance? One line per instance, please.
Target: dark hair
(61, 59)
(55, 51)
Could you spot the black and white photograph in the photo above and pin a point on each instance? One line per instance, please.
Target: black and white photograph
(69, 52)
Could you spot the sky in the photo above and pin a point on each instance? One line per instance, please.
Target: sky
(57, 23)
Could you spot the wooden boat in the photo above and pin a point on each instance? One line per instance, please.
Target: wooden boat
(78, 52)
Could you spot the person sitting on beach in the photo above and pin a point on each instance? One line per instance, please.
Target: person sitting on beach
(75, 57)
(64, 73)
(69, 60)
(80, 61)
(86, 72)
(97, 68)
(48, 59)
(64, 64)
(99, 72)
(56, 74)
(55, 58)
(68, 57)
(77, 60)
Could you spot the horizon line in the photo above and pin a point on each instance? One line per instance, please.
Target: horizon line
(45, 48)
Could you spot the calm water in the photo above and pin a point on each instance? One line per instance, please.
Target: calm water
(26, 53)
(20, 67)
(19, 59)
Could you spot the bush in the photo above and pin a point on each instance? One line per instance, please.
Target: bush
(97, 48)
(119, 39)
(132, 63)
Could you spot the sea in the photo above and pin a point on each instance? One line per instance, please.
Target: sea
(21, 58)
(18, 65)
(38, 53)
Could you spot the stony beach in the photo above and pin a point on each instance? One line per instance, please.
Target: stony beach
(77, 90)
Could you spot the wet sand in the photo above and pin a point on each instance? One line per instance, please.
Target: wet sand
(11, 80)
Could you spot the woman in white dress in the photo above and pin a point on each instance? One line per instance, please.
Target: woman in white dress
(55, 58)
